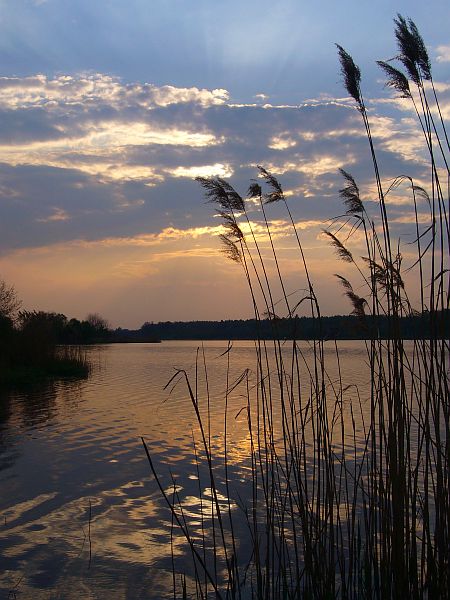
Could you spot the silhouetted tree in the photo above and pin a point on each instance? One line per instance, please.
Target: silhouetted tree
(39, 330)
(9, 302)
(97, 322)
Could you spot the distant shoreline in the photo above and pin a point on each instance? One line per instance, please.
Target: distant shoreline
(339, 327)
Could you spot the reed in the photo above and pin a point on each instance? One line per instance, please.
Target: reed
(28, 359)
(31, 349)
(340, 502)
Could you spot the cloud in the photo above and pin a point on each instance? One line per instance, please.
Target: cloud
(443, 54)
(101, 139)
(91, 158)
(314, 166)
(58, 214)
(98, 89)
(282, 142)
(216, 170)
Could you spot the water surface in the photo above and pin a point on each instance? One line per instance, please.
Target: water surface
(81, 516)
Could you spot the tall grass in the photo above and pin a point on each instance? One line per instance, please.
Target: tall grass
(32, 355)
(341, 502)
(32, 350)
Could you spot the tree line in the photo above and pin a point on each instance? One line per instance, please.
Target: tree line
(341, 327)
(23, 329)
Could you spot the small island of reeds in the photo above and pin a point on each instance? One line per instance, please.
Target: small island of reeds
(30, 350)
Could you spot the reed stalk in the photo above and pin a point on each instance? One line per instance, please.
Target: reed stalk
(342, 501)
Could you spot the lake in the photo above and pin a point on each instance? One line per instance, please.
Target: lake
(81, 515)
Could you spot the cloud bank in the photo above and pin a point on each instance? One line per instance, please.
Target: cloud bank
(94, 161)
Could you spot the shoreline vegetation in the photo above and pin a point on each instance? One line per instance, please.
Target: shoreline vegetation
(48, 345)
(66, 362)
(38, 345)
(30, 350)
(338, 327)
(346, 497)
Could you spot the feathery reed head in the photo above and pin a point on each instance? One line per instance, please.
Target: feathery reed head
(231, 225)
(236, 201)
(276, 192)
(222, 193)
(350, 195)
(351, 73)
(387, 275)
(254, 190)
(396, 79)
(345, 282)
(358, 302)
(339, 247)
(230, 249)
(214, 191)
(422, 193)
(423, 59)
(413, 53)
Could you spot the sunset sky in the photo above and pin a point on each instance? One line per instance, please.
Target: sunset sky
(109, 109)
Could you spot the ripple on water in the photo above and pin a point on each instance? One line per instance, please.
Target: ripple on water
(72, 461)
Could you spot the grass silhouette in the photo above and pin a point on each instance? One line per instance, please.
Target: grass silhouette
(342, 503)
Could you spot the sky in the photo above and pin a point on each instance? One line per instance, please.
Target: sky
(110, 109)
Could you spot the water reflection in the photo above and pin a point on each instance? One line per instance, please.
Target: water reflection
(30, 405)
(71, 459)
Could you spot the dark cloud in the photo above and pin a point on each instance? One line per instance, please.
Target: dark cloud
(27, 126)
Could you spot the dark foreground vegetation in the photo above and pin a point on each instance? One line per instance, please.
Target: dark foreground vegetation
(30, 350)
(347, 496)
(36, 344)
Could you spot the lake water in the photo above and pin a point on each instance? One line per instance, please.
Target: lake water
(81, 515)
